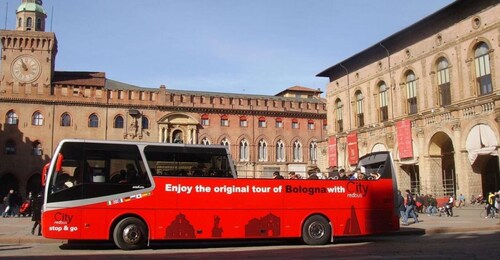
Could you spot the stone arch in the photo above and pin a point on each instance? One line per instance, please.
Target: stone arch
(8, 181)
(34, 184)
(379, 147)
(178, 128)
(442, 164)
(481, 145)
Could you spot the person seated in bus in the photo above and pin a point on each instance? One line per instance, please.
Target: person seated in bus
(312, 175)
(293, 176)
(63, 182)
(361, 176)
(277, 175)
(131, 175)
(342, 175)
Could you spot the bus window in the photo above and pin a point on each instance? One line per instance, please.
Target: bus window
(188, 161)
(91, 170)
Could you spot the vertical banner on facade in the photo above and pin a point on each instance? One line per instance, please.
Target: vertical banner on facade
(405, 146)
(352, 148)
(332, 152)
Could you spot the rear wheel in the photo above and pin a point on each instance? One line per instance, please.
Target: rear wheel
(316, 231)
(130, 233)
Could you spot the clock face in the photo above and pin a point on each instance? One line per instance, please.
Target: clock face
(26, 68)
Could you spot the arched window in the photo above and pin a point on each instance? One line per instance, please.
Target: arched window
(262, 152)
(225, 142)
(339, 113)
(10, 147)
(360, 118)
(65, 119)
(313, 151)
(244, 151)
(411, 92)
(37, 148)
(205, 141)
(38, 24)
(118, 123)
(443, 79)
(29, 22)
(280, 151)
(37, 118)
(93, 121)
(483, 68)
(295, 123)
(20, 22)
(383, 100)
(145, 122)
(297, 151)
(11, 118)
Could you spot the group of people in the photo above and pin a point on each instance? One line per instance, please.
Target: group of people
(315, 174)
(31, 207)
(358, 174)
(492, 204)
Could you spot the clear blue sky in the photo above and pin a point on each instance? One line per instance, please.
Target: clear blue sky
(253, 46)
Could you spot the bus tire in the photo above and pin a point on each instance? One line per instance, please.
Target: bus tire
(130, 234)
(316, 231)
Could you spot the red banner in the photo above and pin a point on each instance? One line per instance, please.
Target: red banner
(352, 148)
(405, 146)
(332, 152)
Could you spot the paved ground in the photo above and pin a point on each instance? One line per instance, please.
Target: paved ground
(18, 230)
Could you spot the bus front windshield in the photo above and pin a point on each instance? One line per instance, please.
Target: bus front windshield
(90, 170)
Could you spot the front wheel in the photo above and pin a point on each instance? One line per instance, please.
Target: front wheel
(316, 231)
(130, 234)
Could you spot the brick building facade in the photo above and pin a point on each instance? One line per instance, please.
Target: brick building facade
(42, 106)
(440, 77)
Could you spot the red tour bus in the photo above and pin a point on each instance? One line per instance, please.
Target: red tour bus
(136, 192)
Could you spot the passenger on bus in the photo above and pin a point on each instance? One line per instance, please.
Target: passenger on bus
(312, 174)
(374, 176)
(293, 176)
(277, 175)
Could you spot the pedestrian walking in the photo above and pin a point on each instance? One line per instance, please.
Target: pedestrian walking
(37, 213)
(410, 208)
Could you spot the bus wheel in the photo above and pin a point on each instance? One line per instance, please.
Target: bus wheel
(316, 231)
(130, 233)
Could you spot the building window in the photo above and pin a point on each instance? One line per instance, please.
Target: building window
(483, 69)
(295, 124)
(411, 92)
(205, 141)
(10, 147)
(262, 152)
(37, 118)
(244, 151)
(279, 122)
(243, 121)
(325, 124)
(29, 22)
(38, 24)
(204, 120)
(65, 119)
(93, 121)
(313, 152)
(262, 122)
(145, 122)
(297, 151)
(226, 143)
(360, 118)
(383, 100)
(37, 148)
(443, 78)
(224, 121)
(280, 151)
(20, 22)
(339, 113)
(118, 122)
(310, 124)
(11, 118)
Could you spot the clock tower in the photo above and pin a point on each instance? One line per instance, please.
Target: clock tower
(28, 53)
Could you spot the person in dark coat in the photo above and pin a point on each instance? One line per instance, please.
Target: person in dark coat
(37, 213)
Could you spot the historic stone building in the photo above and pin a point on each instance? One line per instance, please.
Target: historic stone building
(42, 106)
(430, 94)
